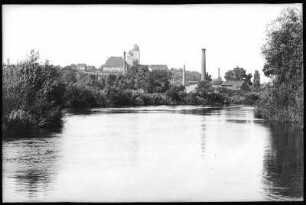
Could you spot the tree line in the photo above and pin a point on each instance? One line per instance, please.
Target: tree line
(35, 94)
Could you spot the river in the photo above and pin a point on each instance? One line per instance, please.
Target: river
(156, 153)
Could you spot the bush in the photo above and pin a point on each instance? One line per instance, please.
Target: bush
(281, 103)
(251, 98)
(79, 96)
(32, 94)
(19, 120)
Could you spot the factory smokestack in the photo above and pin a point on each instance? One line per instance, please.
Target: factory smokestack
(203, 70)
(184, 76)
(219, 77)
(124, 60)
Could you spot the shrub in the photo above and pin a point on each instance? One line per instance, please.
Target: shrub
(19, 120)
(32, 94)
(251, 98)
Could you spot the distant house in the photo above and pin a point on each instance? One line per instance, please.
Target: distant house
(115, 66)
(157, 67)
(81, 66)
(191, 88)
(91, 70)
(235, 85)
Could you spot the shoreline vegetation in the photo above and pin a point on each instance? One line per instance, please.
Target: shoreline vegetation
(35, 94)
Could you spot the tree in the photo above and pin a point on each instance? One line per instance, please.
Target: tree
(248, 78)
(174, 93)
(38, 93)
(204, 87)
(238, 74)
(208, 77)
(256, 79)
(160, 80)
(217, 81)
(110, 81)
(283, 50)
(68, 75)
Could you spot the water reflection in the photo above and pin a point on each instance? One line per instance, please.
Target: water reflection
(31, 164)
(239, 121)
(166, 153)
(283, 164)
(200, 111)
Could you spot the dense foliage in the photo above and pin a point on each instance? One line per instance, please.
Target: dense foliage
(32, 94)
(283, 52)
(35, 94)
(256, 80)
(190, 76)
(238, 74)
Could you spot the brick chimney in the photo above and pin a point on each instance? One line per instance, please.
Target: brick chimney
(203, 69)
(124, 60)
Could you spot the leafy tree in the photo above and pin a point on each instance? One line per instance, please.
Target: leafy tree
(204, 87)
(238, 74)
(208, 77)
(68, 75)
(38, 90)
(217, 81)
(256, 80)
(159, 80)
(139, 76)
(110, 81)
(174, 93)
(190, 75)
(283, 50)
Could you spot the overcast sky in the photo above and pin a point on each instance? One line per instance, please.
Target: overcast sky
(166, 34)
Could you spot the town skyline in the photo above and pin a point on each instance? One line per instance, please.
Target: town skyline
(165, 34)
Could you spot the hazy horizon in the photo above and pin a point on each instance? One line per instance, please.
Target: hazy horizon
(165, 34)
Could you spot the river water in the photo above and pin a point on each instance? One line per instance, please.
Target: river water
(157, 153)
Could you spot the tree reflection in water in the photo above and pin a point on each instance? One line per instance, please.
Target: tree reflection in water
(283, 165)
(31, 164)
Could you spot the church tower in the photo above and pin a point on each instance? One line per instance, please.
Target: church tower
(136, 54)
(133, 56)
(130, 58)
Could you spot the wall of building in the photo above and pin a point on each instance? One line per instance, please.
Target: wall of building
(113, 69)
(129, 60)
(136, 56)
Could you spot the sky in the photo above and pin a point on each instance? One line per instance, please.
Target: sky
(232, 34)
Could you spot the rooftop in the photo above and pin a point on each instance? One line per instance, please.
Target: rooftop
(114, 62)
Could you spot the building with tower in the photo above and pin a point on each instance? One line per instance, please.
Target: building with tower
(115, 65)
(133, 56)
